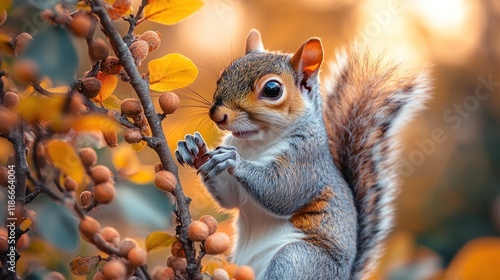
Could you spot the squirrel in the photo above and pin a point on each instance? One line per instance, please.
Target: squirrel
(310, 168)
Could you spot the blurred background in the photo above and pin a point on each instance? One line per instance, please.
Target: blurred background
(448, 211)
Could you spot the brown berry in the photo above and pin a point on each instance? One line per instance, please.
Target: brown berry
(114, 270)
(111, 138)
(139, 50)
(217, 243)
(126, 244)
(220, 274)
(83, 265)
(163, 273)
(87, 198)
(47, 15)
(54, 275)
(21, 41)
(4, 245)
(91, 87)
(100, 174)
(158, 167)
(153, 38)
(244, 273)
(10, 100)
(169, 102)
(88, 227)
(211, 223)
(104, 192)
(131, 107)
(177, 250)
(3, 16)
(70, 184)
(165, 181)
(8, 120)
(197, 231)
(4, 176)
(81, 24)
(110, 235)
(132, 136)
(76, 104)
(98, 49)
(61, 16)
(111, 65)
(99, 276)
(25, 70)
(178, 264)
(137, 256)
(88, 156)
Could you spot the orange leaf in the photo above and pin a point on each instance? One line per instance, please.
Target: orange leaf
(159, 239)
(125, 159)
(172, 71)
(108, 86)
(144, 175)
(170, 12)
(64, 157)
(95, 122)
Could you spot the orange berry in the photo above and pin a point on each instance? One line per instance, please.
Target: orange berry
(81, 24)
(217, 243)
(211, 223)
(137, 256)
(169, 102)
(244, 273)
(132, 136)
(70, 184)
(110, 235)
(10, 100)
(111, 65)
(21, 41)
(111, 138)
(197, 231)
(139, 50)
(3, 16)
(104, 192)
(177, 250)
(131, 107)
(100, 174)
(165, 181)
(54, 275)
(153, 38)
(88, 227)
(87, 198)
(126, 244)
(176, 263)
(4, 245)
(163, 273)
(8, 120)
(25, 70)
(220, 274)
(88, 156)
(91, 87)
(98, 49)
(115, 270)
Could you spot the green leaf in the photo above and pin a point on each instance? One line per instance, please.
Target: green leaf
(54, 53)
(56, 225)
(159, 239)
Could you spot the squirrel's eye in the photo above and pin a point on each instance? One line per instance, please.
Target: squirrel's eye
(272, 89)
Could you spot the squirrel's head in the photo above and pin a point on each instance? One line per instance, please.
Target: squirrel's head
(261, 93)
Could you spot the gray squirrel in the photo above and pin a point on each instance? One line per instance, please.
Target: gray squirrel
(310, 167)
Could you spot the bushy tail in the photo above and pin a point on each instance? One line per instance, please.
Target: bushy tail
(368, 101)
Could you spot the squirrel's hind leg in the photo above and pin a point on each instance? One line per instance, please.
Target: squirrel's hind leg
(303, 260)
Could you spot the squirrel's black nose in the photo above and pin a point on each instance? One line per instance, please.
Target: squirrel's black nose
(217, 115)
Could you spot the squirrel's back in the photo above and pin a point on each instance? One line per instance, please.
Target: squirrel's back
(367, 103)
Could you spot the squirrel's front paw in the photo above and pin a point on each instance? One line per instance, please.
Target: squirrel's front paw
(222, 158)
(191, 150)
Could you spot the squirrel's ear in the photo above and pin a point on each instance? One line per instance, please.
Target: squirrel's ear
(254, 42)
(307, 59)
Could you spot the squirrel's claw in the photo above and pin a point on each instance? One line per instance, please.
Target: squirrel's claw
(222, 158)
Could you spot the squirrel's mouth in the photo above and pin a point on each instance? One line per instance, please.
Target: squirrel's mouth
(244, 134)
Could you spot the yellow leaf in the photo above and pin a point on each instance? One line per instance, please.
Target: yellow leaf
(170, 12)
(95, 122)
(159, 239)
(144, 175)
(39, 107)
(25, 224)
(112, 102)
(218, 262)
(125, 159)
(108, 86)
(64, 157)
(172, 71)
